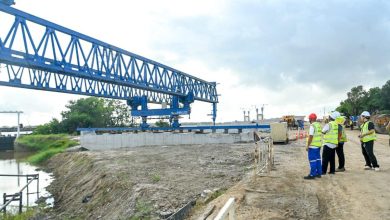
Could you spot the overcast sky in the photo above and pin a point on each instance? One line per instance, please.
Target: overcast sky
(296, 56)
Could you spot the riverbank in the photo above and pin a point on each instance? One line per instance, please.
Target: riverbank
(143, 182)
(44, 146)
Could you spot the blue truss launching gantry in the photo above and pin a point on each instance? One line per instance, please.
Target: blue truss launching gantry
(39, 54)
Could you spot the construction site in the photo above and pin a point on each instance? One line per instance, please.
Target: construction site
(145, 160)
(156, 182)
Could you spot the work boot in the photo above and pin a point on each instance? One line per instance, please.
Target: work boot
(318, 176)
(309, 177)
(340, 169)
(366, 167)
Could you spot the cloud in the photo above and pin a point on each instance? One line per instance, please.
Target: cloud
(297, 56)
(333, 44)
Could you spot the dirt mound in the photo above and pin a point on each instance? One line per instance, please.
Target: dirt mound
(147, 182)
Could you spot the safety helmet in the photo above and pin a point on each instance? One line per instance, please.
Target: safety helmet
(365, 114)
(335, 115)
(312, 117)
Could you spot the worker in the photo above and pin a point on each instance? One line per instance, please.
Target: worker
(342, 138)
(388, 129)
(351, 123)
(331, 136)
(313, 147)
(367, 137)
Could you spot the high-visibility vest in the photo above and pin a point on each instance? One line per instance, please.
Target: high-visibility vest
(364, 130)
(343, 135)
(333, 133)
(317, 135)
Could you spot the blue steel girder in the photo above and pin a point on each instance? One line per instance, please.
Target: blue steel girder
(42, 55)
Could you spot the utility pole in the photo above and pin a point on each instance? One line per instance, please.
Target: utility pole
(262, 111)
(15, 112)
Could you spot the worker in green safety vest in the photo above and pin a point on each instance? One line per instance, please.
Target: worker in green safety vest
(367, 137)
(331, 141)
(340, 147)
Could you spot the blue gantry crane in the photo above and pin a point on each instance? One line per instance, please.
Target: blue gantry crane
(42, 55)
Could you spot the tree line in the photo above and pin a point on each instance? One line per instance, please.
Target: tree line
(87, 113)
(375, 100)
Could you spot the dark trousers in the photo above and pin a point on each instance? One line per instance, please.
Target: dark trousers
(368, 153)
(328, 156)
(340, 155)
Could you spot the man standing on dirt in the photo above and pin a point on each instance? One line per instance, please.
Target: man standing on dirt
(342, 137)
(331, 140)
(313, 147)
(367, 137)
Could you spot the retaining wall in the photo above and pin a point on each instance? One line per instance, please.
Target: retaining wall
(92, 141)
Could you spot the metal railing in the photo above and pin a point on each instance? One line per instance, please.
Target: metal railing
(227, 211)
(8, 199)
(264, 154)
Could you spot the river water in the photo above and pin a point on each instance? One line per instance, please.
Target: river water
(11, 162)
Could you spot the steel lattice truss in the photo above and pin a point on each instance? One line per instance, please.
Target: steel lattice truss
(42, 55)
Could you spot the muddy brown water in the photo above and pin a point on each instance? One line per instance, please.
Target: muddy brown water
(12, 162)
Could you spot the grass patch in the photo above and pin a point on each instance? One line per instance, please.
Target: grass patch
(30, 213)
(202, 202)
(45, 146)
(215, 195)
(156, 178)
(143, 210)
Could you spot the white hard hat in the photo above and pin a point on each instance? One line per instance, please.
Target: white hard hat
(365, 114)
(335, 115)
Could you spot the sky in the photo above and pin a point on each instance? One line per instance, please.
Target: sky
(294, 56)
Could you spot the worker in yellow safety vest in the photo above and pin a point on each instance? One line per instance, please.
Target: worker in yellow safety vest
(313, 147)
(331, 140)
(340, 147)
(367, 137)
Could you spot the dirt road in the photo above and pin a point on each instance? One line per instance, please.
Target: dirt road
(284, 194)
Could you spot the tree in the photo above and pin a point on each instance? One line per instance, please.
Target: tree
(385, 95)
(354, 102)
(373, 100)
(120, 116)
(88, 112)
(53, 127)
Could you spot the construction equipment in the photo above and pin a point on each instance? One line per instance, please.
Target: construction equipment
(380, 121)
(42, 55)
(291, 122)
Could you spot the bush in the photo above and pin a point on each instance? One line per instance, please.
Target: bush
(45, 146)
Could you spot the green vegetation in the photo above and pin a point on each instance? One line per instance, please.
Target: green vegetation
(88, 112)
(143, 210)
(156, 178)
(375, 100)
(28, 214)
(162, 123)
(215, 195)
(45, 146)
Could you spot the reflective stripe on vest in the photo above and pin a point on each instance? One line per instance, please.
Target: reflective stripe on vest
(333, 133)
(316, 141)
(364, 130)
